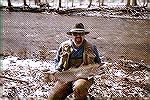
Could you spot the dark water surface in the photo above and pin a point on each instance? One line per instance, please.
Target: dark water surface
(114, 37)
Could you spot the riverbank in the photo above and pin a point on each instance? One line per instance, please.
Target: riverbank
(113, 11)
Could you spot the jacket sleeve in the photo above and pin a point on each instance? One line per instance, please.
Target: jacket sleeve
(57, 58)
(96, 52)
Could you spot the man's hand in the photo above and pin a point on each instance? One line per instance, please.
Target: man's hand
(49, 77)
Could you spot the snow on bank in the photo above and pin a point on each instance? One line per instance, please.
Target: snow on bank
(12, 62)
(113, 82)
(115, 9)
(28, 70)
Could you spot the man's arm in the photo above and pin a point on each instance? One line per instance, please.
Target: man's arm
(96, 52)
(57, 58)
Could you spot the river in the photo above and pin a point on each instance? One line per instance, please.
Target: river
(114, 37)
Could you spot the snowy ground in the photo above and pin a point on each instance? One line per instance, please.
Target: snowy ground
(28, 70)
(113, 83)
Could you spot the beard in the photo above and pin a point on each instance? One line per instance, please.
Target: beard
(78, 40)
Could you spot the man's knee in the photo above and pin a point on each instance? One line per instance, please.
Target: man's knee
(61, 91)
(81, 87)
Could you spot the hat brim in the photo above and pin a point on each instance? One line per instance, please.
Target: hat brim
(77, 31)
(70, 33)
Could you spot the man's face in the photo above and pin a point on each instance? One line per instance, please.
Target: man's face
(78, 38)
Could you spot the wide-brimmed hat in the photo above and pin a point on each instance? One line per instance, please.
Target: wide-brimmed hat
(78, 28)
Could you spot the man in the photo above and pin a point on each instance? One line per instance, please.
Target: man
(73, 53)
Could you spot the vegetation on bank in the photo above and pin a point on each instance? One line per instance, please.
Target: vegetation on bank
(125, 8)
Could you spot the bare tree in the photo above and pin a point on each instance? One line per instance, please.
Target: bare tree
(25, 6)
(37, 2)
(25, 3)
(99, 4)
(80, 1)
(72, 2)
(145, 3)
(128, 3)
(59, 4)
(134, 2)
(90, 4)
(10, 8)
(9, 3)
(102, 2)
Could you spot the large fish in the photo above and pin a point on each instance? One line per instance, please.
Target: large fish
(73, 74)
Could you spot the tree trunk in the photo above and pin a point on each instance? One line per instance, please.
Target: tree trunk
(128, 3)
(99, 4)
(134, 2)
(9, 3)
(25, 3)
(80, 1)
(59, 3)
(102, 2)
(145, 3)
(37, 2)
(10, 8)
(72, 2)
(90, 4)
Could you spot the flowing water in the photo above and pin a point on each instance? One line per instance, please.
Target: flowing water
(113, 37)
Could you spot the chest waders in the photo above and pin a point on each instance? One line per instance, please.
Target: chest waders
(88, 57)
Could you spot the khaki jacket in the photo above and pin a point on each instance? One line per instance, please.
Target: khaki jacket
(66, 63)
